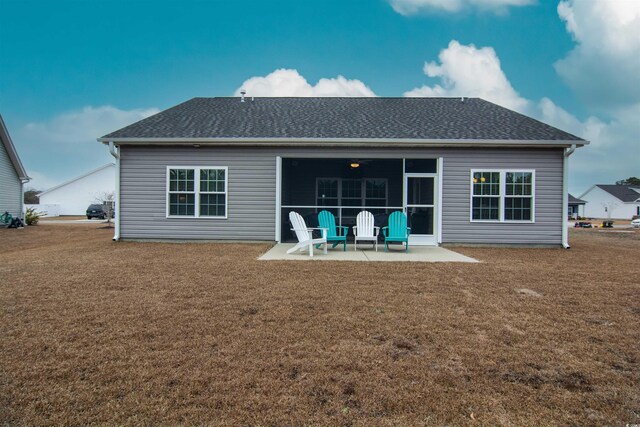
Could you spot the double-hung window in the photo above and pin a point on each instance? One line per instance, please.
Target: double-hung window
(502, 195)
(197, 192)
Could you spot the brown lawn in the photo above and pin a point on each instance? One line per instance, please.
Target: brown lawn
(96, 332)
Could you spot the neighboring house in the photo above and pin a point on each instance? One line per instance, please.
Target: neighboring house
(612, 201)
(576, 207)
(74, 196)
(13, 176)
(465, 170)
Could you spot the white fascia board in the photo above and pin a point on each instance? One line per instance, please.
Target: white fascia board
(588, 191)
(328, 142)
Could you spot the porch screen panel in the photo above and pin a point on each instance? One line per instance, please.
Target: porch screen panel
(351, 192)
(327, 194)
(375, 192)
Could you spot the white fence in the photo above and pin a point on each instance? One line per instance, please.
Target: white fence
(46, 210)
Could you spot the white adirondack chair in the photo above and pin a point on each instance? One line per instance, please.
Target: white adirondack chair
(365, 229)
(305, 235)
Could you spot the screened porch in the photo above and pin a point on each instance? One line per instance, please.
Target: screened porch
(347, 186)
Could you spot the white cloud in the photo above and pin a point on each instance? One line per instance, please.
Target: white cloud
(84, 125)
(465, 70)
(470, 71)
(612, 154)
(604, 66)
(287, 82)
(411, 7)
(65, 146)
(40, 181)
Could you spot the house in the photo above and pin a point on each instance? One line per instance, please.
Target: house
(74, 196)
(465, 170)
(13, 176)
(612, 201)
(576, 207)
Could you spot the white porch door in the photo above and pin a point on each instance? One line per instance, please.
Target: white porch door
(420, 196)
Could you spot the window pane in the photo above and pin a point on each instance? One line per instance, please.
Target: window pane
(375, 192)
(181, 180)
(327, 188)
(519, 183)
(485, 208)
(212, 205)
(182, 204)
(517, 209)
(212, 180)
(486, 183)
(327, 201)
(421, 165)
(351, 188)
(376, 189)
(420, 191)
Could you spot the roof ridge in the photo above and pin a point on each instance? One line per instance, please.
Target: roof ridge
(55, 187)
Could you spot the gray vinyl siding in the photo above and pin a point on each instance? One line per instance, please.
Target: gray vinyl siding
(252, 192)
(10, 186)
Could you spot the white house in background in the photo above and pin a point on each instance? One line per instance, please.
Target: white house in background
(76, 195)
(612, 201)
(576, 206)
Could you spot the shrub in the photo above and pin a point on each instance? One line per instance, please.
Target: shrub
(32, 217)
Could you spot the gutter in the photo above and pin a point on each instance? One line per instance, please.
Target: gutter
(565, 195)
(349, 142)
(116, 154)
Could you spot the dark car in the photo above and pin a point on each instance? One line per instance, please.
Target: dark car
(583, 224)
(97, 211)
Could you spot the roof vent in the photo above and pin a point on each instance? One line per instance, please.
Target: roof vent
(462, 99)
(242, 94)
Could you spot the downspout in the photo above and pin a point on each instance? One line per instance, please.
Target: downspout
(116, 154)
(23, 181)
(565, 195)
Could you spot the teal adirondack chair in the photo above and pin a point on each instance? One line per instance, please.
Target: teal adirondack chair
(397, 230)
(328, 221)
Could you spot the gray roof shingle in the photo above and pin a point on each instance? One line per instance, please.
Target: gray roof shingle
(575, 201)
(370, 118)
(622, 192)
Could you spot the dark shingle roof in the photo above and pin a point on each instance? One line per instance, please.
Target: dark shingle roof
(576, 201)
(622, 192)
(372, 118)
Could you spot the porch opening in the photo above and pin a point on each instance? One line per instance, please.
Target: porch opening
(349, 185)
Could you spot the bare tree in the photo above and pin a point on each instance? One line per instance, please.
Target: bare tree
(108, 201)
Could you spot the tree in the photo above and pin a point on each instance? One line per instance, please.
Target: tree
(31, 197)
(108, 201)
(632, 180)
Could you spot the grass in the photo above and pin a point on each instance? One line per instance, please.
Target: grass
(96, 332)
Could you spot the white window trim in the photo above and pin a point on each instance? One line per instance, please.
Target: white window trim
(503, 195)
(196, 192)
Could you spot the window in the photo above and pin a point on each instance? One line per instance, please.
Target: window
(199, 192)
(351, 192)
(502, 196)
(375, 192)
(327, 192)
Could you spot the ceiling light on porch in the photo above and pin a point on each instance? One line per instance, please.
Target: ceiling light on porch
(355, 165)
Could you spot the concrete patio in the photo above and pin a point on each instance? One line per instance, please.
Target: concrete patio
(395, 254)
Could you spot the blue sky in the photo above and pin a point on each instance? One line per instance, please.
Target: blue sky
(71, 71)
